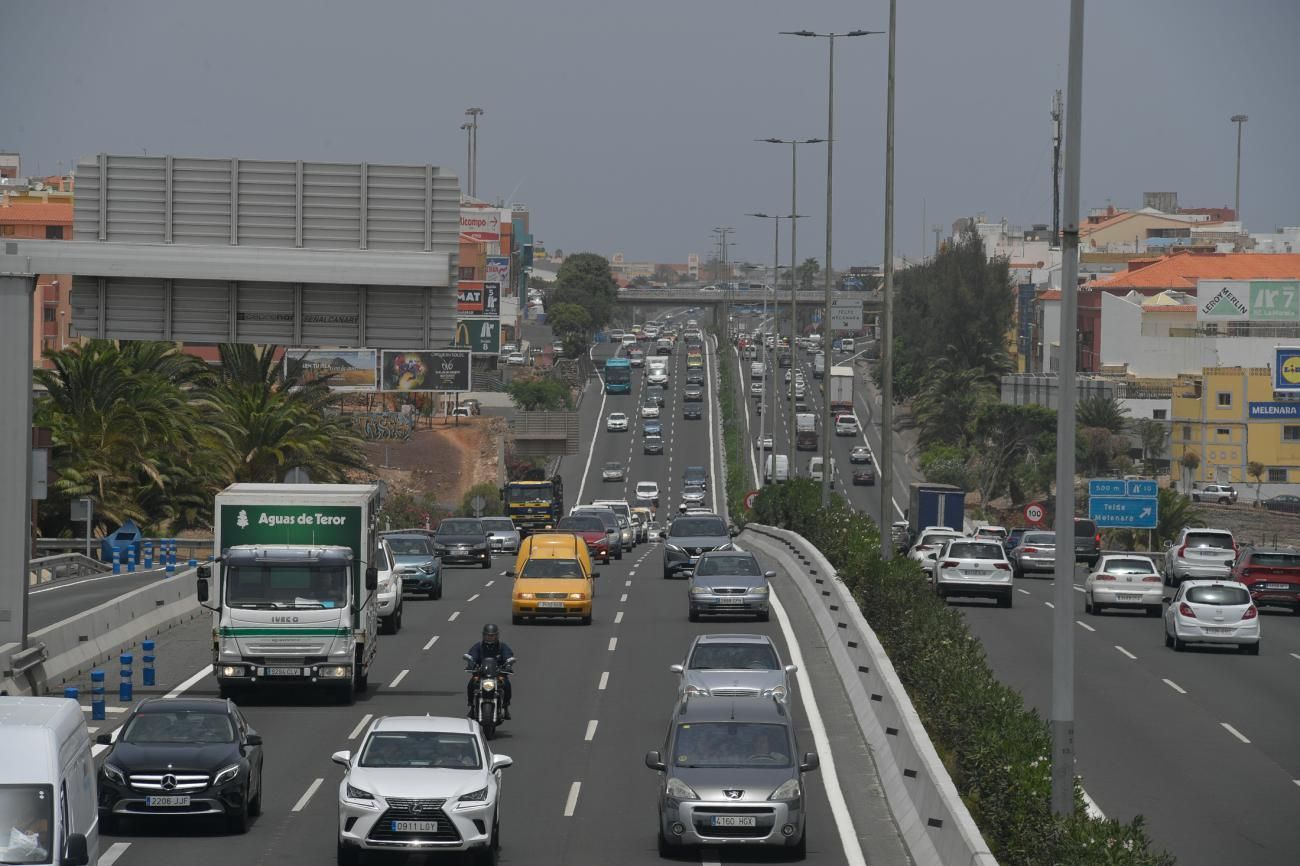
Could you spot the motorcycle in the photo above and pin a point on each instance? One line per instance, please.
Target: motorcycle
(489, 698)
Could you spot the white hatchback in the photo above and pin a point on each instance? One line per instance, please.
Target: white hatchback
(846, 425)
(650, 410)
(447, 761)
(1212, 611)
(1123, 581)
(647, 491)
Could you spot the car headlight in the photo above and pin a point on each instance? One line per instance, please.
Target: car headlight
(226, 774)
(429, 568)
(577, 596)
(696, 691)
(789, 790)
(700, 590)
(113, 774)
(777, 692)
(674, 548)
(334, 672)
(358, 794)
(679, 790)
(758, 590)
(526, 596)
(474, 796)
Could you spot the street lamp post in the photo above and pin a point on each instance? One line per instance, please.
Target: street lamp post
(826, 314)
(1238, 119)
(776, 278)
(473, 114)
(469, 153)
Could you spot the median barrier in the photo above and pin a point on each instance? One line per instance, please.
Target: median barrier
(74, 645)
(934, 822)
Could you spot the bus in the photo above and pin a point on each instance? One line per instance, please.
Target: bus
(618, 376)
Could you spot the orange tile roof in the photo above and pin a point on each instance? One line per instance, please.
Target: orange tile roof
(1088, 228)
(1050, 295)
(37, 213)
(1182, 270)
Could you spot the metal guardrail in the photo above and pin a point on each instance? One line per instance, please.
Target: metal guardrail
(62, 566)
(186, 548)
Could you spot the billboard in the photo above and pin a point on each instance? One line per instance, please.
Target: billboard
(480, 335)
(1248, 300)
(480, 224)
(343, 369)
(1286, 369)
(478, 298)
(426, 370)
(498, 270)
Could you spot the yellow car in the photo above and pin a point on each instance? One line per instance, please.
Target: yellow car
(553, 578)
(694, 361)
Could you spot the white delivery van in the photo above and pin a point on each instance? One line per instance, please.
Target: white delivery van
(815, 468)
(48, 812)
(777, 468)
(756, 371)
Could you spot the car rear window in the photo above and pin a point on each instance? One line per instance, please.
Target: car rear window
(1128, 566)
(1217, 540)
(1224, 595)
(730, 564)
(1275, 560)
(1039, 538)
(1084, 528)
(971, 550)
(581, 524)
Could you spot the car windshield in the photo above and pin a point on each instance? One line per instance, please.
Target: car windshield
(179, 726)
(1216, 540)
(738, 564)
(409, 546)
(551, 568)
(529, 492)
(26, 819)
(581, 524)
(286, 586)
(1128, 566)
(731, 744)
(1275, 560)
(1042, 538)
(748, 656)
(460, 527)
(974, 550)
(1218, 595)
(420, 749)
(498, 524)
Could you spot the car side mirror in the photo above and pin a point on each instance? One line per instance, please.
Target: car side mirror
(104, 739)
(595, 574)
(75, 851)
(510, 572)
(372, 578)
(343, 758)
(253, 740)
(1167, 599)
(677, 669)
(654, 761)
(205, 572)
(202, 588)
(792, 669)
(769, 574)
(810, 762)
(500, 762)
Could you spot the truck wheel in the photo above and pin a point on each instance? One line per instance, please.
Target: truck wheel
(363, 681)
(347, 693)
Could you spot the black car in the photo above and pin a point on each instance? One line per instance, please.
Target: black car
(694, 376)
(1286, 503)
(693, 394)
(695, 476)
(1087, 541)
(182, 757)
(653, 445)
(692, 411)
(462, 540)
(656, 393)
(864, 475)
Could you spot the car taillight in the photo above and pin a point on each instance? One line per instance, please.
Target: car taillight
(950, 563)
(1029, 549)
(1184, 610)
(1251, 613)
(1181, 551)
(1098, 538)
(1154, 578)
(1002, 565)
(1105, 577)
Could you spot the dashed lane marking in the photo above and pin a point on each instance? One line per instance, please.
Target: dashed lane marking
(622, 598)
(307, 795)
(1236, 733)
(1025, 591)
(397, 679)
(452, 618)
(604, 681)
(361, 726)
(627, 583)
(1173, 685)
(571, 802)
(618, 617)
(1049, 604)
(613, 643)
(472, 597)
(116, 850)
(1085, 625)
(489, 583)
(433, 640)
(1125, 652)
(591, 730)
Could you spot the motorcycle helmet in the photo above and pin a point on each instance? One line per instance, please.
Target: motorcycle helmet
(491, 635)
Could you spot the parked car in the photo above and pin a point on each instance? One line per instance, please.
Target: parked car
(1224, 494)
(728, 582)
(734, 666)
(1123, 581)
(972, 568)
(1271, 574)
(1035, 554)
(1201, 554)
(1212, 611)
(1285, 503)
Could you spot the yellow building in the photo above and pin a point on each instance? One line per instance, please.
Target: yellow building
(1230, 417)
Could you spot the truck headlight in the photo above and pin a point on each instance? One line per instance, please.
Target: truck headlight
(232, 671)
(334, 671)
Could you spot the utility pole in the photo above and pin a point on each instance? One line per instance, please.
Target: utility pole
(1062, 715)
(1239, 119)
(473, 114)
(469, 153)
(938, 231)
(1056, 168)
(886, 456)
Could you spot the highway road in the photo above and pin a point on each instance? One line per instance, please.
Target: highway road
(53, 602)
(589, 701)
(1203, 743)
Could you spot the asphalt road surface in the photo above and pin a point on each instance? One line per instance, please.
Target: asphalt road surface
(53, 602)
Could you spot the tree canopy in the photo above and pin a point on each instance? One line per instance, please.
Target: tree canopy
(584, 279)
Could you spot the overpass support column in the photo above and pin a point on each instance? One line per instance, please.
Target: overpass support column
(16, 291)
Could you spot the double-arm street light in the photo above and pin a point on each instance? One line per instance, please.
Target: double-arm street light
(1238, 119)
(826, 314)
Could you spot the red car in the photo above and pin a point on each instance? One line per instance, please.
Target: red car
(591, 530)
(1272, 574)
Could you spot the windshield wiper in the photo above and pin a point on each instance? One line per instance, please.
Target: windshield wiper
(255, 605)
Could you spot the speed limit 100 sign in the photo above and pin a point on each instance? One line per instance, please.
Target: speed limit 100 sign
(1034, 513)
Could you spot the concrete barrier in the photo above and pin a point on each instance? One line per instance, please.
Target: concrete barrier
(933, 820)
(76, 644)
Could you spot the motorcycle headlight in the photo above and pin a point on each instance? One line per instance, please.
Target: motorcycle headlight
(489, 685)
(679, 790)
(789, 790)
(358, 794)
(473, 796)
(226, 774)
(113, 774)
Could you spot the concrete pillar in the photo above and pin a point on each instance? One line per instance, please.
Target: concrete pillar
(16, 299)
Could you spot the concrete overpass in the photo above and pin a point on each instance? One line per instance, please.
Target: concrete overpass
(647, 300)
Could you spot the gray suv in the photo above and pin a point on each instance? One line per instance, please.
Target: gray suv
(689, 537)
(729, 582)
(734, 666)
(730, 773)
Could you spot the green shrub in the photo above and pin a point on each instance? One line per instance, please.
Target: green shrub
(488, 491)
(733, 439)
(996, 749)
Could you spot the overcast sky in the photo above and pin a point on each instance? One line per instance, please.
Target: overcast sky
(627, 126)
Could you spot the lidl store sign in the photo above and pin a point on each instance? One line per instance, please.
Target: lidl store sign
(1286, 369)
(1248, 300)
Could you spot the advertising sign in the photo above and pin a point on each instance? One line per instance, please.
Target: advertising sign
(1222, 299)
(426, 370)
(1286, 369)
(342, 369)
(479, 298)
(498, 270)
(1273, 411)
(480, 224)
(481, 336)
(846, 314)
(1248, 300)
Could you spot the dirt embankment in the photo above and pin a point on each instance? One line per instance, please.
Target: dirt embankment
(1250, 525)
(444, 461)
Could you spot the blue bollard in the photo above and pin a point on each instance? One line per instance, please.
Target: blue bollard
(147, 659)
(70, 692)
(117, 561)
(124, 688)
(148, 556)
(130, 560)
(170, 556)
(193, 562)
(97, 696)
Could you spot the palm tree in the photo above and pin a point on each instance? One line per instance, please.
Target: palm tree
(1256, 470)
(947, 405)
(1151, 433)
(1190, 461)
(808, 273)
(1106, 413)
(1176, 511)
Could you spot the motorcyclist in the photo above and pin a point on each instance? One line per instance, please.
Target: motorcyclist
(490, 647)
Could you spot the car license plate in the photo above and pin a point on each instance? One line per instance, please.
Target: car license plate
(283, 672)
(1128, 596)
(734, 821)
(168, 800)
(1280, 586)
(415, 826)
(972, 572)
(731, 600)
(551, 604)
(1211, 630)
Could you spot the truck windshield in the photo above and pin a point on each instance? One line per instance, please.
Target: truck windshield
(530, 493)
(286, 586)
(26, 816)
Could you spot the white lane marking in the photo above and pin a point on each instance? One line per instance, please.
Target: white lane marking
(183, 687)
(433, 640)
(452, 618)
(622, 598)
(472, 597)
(1049, 604)
(489, 583)
(628, 583)
(87, 580)
(632, 573)
(1025, 591)
(116, 850)
(839, 809)
(618, 617)
(1125, 652)
(307, 795)
(397, 679)
(92, 729)
(361, 726)
(1297, 781)
(1295, 656)
(1090, 804)
(1080, 589)
(600, 414)
(1173, 685)
(572, 802)
(1085, 625)
(707, 858)
(1236, 733)
(613, 643)
(501, 574)
(591, 730)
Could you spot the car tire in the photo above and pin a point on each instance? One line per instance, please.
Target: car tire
(1223, 500)
(1017, 573)
(668, 575)
(1251, 649)
(1153, 611)
(516, 619)
(237, 821)
(693, 615)
(388, 624)
(1178, 643)
(436, 595)
(487, 563)
(1088, 606)
(1006, 600)
(348, 856)
(799, 851)
(586, 620)
(666, 850)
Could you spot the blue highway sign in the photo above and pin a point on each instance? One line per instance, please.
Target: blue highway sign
(1106, 487)
(1132, 513)
(1143, 489)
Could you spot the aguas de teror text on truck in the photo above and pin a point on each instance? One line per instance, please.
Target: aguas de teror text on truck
(293, 589)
